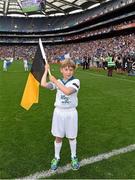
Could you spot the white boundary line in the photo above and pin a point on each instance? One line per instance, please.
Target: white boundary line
(101, 75)
(84, 162)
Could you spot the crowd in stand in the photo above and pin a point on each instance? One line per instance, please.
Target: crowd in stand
(96, 51)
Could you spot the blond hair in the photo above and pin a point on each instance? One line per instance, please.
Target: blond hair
(68, 63)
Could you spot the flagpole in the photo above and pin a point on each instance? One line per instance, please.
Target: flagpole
(43, 54)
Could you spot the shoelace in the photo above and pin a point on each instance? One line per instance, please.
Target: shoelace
(54, 161)
(74, 161)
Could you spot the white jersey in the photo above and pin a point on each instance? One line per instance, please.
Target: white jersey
(25, 63)
(4, 65)
(67, 101)
(11, 60)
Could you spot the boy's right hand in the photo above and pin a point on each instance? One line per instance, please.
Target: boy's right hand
(47, 67)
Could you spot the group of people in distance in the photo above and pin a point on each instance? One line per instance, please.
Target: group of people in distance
(8, 61)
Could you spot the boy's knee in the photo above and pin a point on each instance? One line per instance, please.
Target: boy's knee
(58, 139)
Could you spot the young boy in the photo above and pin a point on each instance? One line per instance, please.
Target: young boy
(65, 116)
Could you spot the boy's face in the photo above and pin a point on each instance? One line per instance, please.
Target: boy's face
(67, 72)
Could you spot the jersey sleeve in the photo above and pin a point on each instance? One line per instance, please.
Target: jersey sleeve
(75, 84)
(51, 86)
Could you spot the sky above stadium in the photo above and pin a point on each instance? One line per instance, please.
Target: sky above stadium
(52, 7)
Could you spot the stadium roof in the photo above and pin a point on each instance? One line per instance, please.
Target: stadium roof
(52, 7)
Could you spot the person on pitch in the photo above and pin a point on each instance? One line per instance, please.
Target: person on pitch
(65, 115)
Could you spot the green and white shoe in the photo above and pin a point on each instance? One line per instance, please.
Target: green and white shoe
(54, 164)
(75, 164)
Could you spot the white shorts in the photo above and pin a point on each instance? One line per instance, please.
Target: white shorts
(65, 123)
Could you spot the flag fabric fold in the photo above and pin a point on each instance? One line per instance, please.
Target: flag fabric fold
(31, 91)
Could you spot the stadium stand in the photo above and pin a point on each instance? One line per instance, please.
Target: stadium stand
(108, 27)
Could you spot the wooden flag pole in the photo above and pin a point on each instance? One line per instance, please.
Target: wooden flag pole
(43, 54)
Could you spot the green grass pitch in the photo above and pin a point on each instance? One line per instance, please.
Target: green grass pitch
(106, 122)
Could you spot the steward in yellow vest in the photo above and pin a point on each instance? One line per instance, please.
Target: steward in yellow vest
(110, 65)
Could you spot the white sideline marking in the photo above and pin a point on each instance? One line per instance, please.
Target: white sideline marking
(113, 77)
(101, 75)
(84, 162)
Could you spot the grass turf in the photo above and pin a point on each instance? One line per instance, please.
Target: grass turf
(106, 121)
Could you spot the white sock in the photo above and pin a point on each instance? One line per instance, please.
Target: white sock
(73, 144)
(57, 147)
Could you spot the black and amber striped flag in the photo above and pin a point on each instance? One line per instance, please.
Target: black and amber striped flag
(31, 91)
